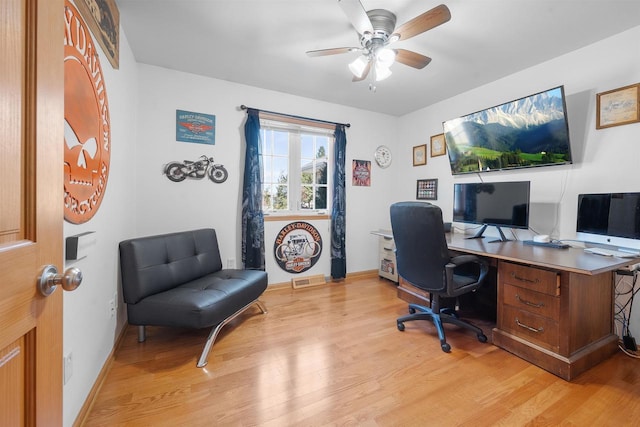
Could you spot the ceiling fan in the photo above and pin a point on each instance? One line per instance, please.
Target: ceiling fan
(377, 30)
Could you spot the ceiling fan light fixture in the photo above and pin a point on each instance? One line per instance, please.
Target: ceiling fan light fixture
(385, 56)
(358, 66)
(376, 29)
(382, 71)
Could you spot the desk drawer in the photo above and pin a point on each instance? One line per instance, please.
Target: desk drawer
(531, 301)
(386, 244)
(537, 329)
(388, 253)
(387, 258)
(536, 279)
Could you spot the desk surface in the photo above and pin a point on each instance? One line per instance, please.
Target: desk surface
(571, 259)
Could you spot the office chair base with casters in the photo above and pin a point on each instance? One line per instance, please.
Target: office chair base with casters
(420, 312)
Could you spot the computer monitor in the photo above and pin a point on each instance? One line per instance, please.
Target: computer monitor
(610, 219)
(498, 204)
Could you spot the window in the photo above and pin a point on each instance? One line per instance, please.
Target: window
(296, 167)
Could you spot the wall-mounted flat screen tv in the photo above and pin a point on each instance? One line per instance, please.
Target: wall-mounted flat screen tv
(528, 132)
(500, 204)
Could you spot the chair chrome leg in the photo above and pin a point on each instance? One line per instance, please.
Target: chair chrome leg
(261, 306)
(141, 333)
(204, 356)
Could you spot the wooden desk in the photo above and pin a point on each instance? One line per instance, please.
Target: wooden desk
(554, 306)
(573, 259)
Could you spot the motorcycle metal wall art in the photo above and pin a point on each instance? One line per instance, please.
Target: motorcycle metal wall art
(196, 169)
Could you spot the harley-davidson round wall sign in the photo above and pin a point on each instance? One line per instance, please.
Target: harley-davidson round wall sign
(87, 127)
(297, 247)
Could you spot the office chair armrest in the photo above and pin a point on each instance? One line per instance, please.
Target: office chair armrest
(464, 259)
(458, 261)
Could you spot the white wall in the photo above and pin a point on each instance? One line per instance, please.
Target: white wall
(605, 160)
(89, 332)
(165, 206)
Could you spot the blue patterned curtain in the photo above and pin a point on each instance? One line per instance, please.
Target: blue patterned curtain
(252, 217)
(339, 207)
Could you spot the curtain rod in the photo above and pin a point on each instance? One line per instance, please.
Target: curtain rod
(244, 107)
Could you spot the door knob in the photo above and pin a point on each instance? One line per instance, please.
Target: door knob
(49, 279)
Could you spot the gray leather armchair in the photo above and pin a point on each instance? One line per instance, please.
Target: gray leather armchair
(177, 279)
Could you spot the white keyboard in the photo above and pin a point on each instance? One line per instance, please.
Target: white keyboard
(611, 252)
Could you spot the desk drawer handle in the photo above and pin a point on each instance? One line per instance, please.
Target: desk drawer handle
(529, 303)
(522, 325)
(522, 279)
(388, 249)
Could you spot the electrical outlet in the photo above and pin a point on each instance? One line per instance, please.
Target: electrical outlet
(231, 263)
(111, 308)
(67, 367)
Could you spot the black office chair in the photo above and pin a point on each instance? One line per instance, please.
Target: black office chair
(424, 261)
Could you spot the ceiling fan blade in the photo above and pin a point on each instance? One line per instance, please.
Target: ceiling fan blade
(356, 15)
(365, 73)
(333, 51)
(412, 59)
(421, 23)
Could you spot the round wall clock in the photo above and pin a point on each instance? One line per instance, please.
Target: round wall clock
(383, 156)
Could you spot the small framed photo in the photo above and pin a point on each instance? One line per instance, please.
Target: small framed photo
(420, 155)
(427, 189)
(438, 146)
(618, 106)
(361, 173)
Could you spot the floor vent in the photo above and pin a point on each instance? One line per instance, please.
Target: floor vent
(306, 282)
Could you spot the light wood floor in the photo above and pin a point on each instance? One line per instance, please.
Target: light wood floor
(332, 355)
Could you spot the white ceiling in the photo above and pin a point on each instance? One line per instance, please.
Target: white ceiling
(262, 43)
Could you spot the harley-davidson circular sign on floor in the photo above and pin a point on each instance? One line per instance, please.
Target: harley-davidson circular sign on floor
(87, 127)
(297, 247)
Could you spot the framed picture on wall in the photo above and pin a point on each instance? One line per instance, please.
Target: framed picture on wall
(361, 173)
(427, 189)
(420, 155)
(438, 146)
(618, 106)
(103, 18)
(195, 127)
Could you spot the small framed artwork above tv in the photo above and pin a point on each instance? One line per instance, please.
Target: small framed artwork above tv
(526, 132)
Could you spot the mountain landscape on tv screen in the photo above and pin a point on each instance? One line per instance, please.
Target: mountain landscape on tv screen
(531, 131)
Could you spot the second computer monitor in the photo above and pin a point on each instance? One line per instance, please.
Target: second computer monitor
(500, 204)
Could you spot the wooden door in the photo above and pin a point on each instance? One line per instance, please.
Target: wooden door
(31, 209)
